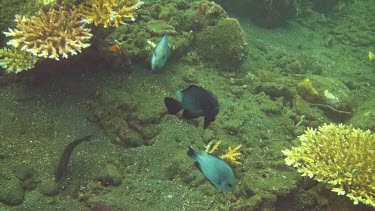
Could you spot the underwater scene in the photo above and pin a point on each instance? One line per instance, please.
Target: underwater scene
(178, 105)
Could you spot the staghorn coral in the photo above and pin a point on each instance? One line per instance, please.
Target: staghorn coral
(50, 34)
(341, 156)
(109, 12)
(231, 156)
(15, 60)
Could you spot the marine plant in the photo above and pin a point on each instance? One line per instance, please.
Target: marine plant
(339, 155)
(58, 32)
(109, 12)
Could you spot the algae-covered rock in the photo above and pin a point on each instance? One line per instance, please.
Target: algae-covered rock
(364, 116)
(131, 138)
(49, 187)
(329, 94)
(11, 191)
(223, 44)
(24, 172)
(159, 28)
(110, 175)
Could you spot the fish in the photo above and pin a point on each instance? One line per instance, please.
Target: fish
(62, 166)
(215, 169)
(196, 102)
(159, 57)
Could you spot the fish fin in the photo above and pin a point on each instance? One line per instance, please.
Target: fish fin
(188, 115)
(172, 105)
(207, 120)
(191, 152)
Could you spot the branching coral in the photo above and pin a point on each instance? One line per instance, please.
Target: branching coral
(231, 156)
(341, 156)
(50, 34)
(109, 12)
(15, 60)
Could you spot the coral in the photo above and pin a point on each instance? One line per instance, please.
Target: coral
(341, 156)
(109, 12)
(230, 156)
(50, 34)
(15, 60)
(211, 149)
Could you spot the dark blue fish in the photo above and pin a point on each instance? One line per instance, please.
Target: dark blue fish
(215, 169)
(196, 102)
(159, 57)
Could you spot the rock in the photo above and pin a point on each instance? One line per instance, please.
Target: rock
(159, 28)
(49, 187)
(131, 138)
(328, 94)
(151, 131)
(11, 191)
(24, 172)
(110, 175)
(224, 44)
(364, 116)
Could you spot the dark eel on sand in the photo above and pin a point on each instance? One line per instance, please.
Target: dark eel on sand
(65, 156)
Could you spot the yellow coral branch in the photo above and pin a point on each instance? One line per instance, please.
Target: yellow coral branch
(109, 12)
(232, 155)
(214, 148)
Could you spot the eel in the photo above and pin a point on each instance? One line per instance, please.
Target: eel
(65, 157)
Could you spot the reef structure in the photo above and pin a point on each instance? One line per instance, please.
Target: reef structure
(58, 32)
(109, 12)
(341, 156)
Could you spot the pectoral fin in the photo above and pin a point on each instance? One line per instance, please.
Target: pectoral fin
(207, 120)
(172, 105)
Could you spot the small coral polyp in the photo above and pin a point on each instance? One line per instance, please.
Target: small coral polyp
(50, 34)
(341, 156)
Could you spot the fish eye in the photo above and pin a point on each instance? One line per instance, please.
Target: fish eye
(229, 185)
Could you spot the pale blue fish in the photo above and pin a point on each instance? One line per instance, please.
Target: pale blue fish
(159, 57)
(215, 169)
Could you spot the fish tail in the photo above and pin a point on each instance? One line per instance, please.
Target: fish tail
(191, 152)
(172, 105)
